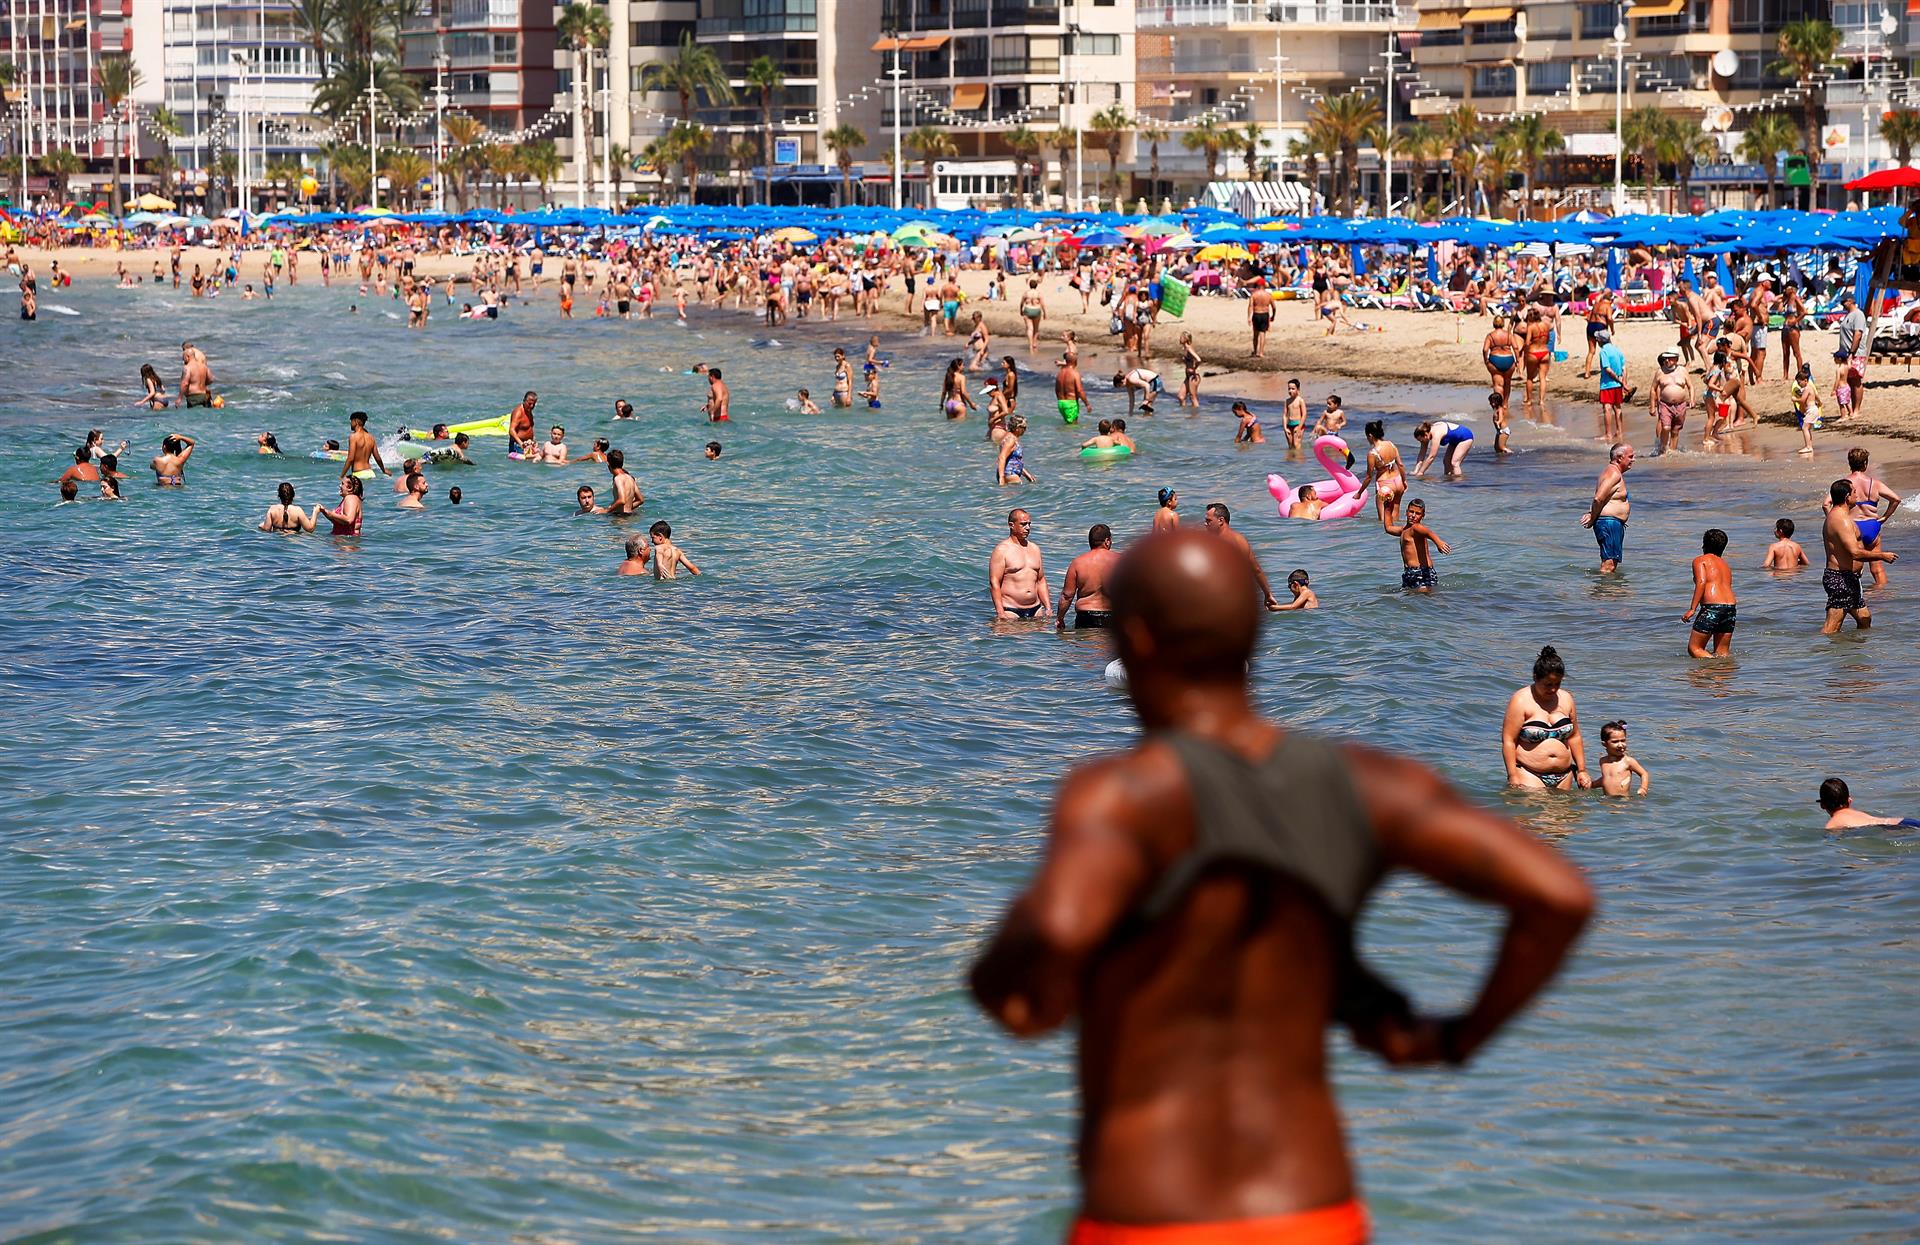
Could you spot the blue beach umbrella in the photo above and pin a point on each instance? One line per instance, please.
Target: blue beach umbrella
(1613, 269)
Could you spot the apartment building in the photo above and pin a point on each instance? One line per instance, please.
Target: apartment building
(238, 75)
(54, 46)
(982, 67)
(495, 58)
(1255, 62)
(1710, 61)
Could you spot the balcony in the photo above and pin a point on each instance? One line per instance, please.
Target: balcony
(772, 24)
(1162, 14)
(1026, 15)
(1016, 66)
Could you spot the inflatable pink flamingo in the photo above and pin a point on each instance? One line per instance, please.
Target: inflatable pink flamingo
(1342, 494)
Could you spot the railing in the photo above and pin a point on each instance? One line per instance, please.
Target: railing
(1184, 64)
(1016, 65)
(777, 23)
(1026, 15)
(1158, 14)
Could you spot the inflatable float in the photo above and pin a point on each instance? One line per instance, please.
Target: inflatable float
(1111, 454)
(1342, 494)
(495, 427)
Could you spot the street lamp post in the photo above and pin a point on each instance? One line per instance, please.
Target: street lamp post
(17, 95)
(896, 71)
(439, 129)
(240, 97)
(1073, 99)
(373, 143)
(1885, 28)
(606, 136)
(1619, 136)
(1386, 150)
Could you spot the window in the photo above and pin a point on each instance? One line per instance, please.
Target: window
(1596, 20)
(1749, 16)
(1093, 45)
(1547, 77)
(1495, 32)
(1493, 80)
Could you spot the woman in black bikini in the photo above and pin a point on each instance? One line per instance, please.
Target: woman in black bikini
(1190, 382)
(1540, 738)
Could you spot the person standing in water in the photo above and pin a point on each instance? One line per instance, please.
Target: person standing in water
(1868, 493)
(362, 451)
(1016, 575)
(346, 520)
(1204, 941)
(1219, 522)
(1712, 609)
(1608, 515)
(1069, 391)
(1085, 587)
(1167, 517)
(1846, 552)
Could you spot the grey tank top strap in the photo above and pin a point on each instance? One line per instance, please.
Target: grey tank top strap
(1295, 812)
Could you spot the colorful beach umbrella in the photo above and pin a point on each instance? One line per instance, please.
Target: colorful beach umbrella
(793, 233)
(1222, 250)
(151, 202)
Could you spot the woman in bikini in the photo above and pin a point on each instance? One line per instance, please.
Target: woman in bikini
(284, 516)
(170, 464)
(1033, 309)
(1498, 352)
(1385, 472)
(345, 520)
(955, 401)
(1539, 347)
(978, 342)
(1540, 738)
(1010, 382)
(1793, 309)
(1190, 380)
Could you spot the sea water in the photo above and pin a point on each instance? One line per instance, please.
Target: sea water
(440, 885)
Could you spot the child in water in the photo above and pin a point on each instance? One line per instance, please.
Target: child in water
(1416, 564)
(1785, 553)
(667, 557)
(1304, 597)
(872, 392)
(1616, 767)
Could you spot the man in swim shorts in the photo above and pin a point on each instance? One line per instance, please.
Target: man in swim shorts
(1837, 802)
(1085, 587)
(1194, 914)
(1608, 514)
(1219, 521)
(626, 491)
(362, 451)
(1713, 608)
(1069, 391)
(1845, 554)
(520, 425)
(1016, 578)
(1260, 317)
(196, 378)
(1669, 399)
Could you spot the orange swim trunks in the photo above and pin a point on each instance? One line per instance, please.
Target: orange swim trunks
(1345, 1224)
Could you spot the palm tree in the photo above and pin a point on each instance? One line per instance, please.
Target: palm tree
(743, 152)
(1063, 141)
(843, 140)
(582, 27)
(283, 175)
(542, 162)
(60, 165)
(347, 164)
(1770, 136)
(1684, 146)
(764, 76)
(467, 157)
(1497, 164)
(1108, 126)
(406, 169)
(931, 143)
(1901, 129)
(693, 70)
(1463, 134)
(1807, 48)
(342, 94)
(116, 76)
(1306, 153)
(361, 40)
(504, 161)
(315, 19)
(1642, 132)
(1346, 118)
(1533, 140)
(618, 158)
(689, 141)
(1412, 143)
(1024, 144)
(1251, 139)
(1152, 133)
(1206, 137)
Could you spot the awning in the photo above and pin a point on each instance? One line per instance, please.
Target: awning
(1659, 8)
(912, 43)
(1475, 16)
(1440, 19)
(969, 95)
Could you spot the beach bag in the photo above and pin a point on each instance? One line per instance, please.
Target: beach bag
(1114, 326)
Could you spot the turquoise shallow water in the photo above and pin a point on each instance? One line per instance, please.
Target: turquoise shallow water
(441, 885)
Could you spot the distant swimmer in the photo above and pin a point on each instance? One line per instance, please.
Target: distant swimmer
(170, 464)
(1846, 554)
(1084, 589)
(626, 491)
(81, 472)
(1259, 319)
(1611, 508)
(623, 409)
(416, 498)
(363, 452)
(638, 548)
(346, 519)
(713, 450)
(1219, 522)
(1837, 801)
(598, 454)
(1785, 553)
(1194, 917)
(1713, 606)
(284, 516)
(1416, 560)
(1304, 597)
(583, 501)
(668, 558)
(1016, 576)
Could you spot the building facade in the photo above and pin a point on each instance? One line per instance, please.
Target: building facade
(54, 48)
(494, 58)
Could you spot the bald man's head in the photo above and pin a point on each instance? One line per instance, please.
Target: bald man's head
(1184, 609)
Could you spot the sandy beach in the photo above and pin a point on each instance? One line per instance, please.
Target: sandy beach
(1425, 348)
